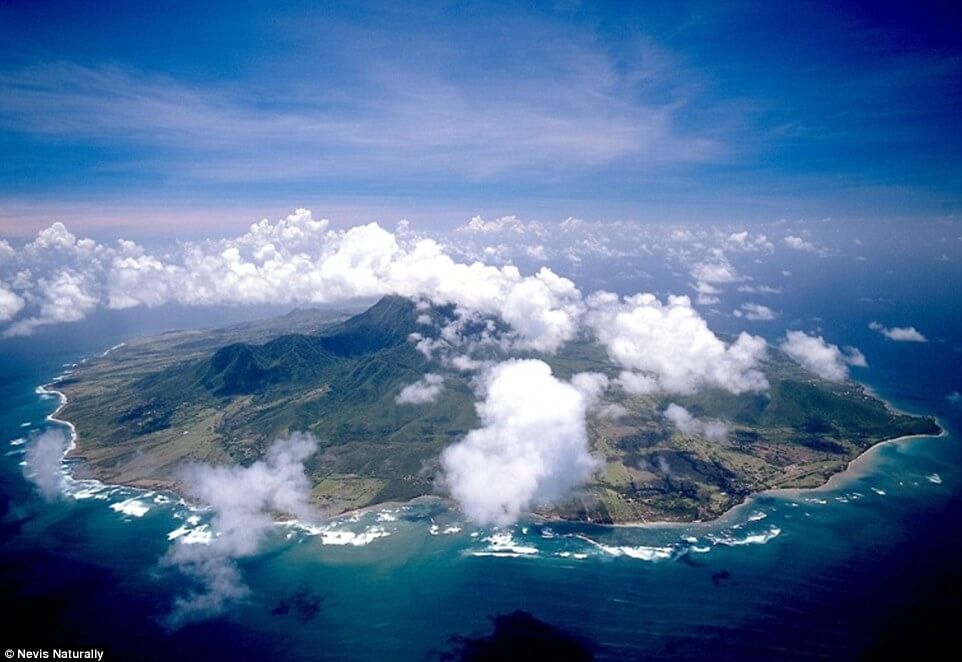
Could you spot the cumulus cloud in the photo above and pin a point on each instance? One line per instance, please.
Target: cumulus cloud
(715, 270)
(544, 310)
(243, 500)
(669, 347)
(536, 252)
(799, 244)
(503, 225)
(688, 424)
(531, 448)
(898, 333)
(508, 238)
(427, 389)
(66, 297)
(746, 241)
(10, 303)
(824, 359)
(707, 293)
(755, 312)
(710, 272)
(44, 458)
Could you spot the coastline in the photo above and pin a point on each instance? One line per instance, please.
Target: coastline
(45, 389)
(847, 473)
(850, 472)
(859, 459)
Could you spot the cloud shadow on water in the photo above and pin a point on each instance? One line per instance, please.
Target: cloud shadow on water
(520, 636)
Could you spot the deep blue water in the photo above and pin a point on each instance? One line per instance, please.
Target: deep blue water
(864, 568)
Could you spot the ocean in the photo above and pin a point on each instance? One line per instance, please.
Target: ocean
(865, 567)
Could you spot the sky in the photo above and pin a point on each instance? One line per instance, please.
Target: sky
(189, 120)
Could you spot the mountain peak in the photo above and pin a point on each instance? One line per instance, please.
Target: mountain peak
(387, 323)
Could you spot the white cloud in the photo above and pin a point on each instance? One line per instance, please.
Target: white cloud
(717, 269)
(688, 424)
(427, 389)
(709, 273)
(44, 458)
(638, 383)
(755, 312)
(855, 357)
(531, 448)
(825, 360)
(544, 310)
(464, 363)
(66, 297)
(800, 244)
(898, 333)
(536, 252)
(703, 287)
(746, 241)
(759, 289)
(613, 411)
(243, 501)
(706, 300)
(503, 225)
(592, 386)
(508, 238)
(669, 347)
(10, 303)
(706, 293)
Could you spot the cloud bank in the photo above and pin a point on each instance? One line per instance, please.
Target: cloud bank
(296, 260)
(531, 448)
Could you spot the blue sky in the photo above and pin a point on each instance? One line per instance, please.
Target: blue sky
(150, 119)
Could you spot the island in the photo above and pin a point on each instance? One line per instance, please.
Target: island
(222, 396)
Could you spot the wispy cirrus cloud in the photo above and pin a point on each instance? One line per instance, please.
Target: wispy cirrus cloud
(402, 114)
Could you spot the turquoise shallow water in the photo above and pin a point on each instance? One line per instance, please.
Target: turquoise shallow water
(837, 572)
